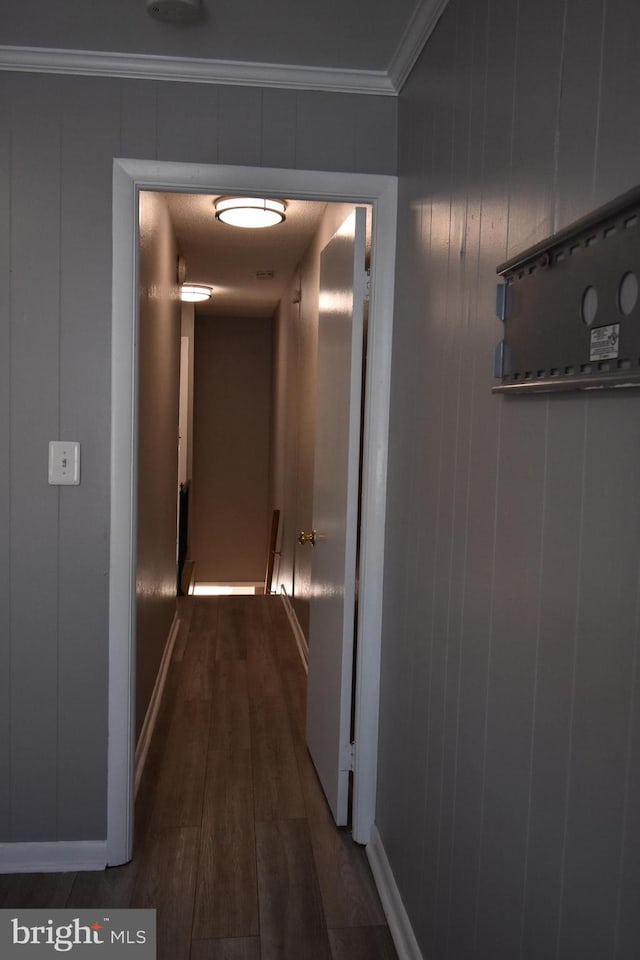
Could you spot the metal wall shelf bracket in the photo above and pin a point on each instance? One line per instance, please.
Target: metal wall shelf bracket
(571, 306)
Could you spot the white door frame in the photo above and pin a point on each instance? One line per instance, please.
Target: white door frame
(129, 177)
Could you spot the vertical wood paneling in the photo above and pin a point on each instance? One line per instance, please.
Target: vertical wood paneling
(404, 676)
(435, 455)
(511, 672)
(552, 682)
(35, 298)
(579, 109)
(531, 212)
(138, 118)
(5, 461)
(90, 132)
(602, 679)
(240, 125)
(326, 131)
(514, 642)
(376, 152)
(457, 398)
(188, 127)
(617, 160)
(278, 140)
(491, 33)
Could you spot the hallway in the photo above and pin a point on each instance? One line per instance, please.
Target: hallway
(235, 846)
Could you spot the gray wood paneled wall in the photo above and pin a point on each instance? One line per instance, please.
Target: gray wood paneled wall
(509, 777)
(58, 137)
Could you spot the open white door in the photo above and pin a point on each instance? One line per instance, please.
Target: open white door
(129, 177)
(335, 509)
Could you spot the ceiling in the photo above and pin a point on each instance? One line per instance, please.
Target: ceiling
(364, 45)
(229, 258)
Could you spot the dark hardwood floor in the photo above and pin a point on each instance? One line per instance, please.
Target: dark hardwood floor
(234, 843)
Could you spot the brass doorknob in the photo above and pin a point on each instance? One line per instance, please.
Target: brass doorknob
(307, 538)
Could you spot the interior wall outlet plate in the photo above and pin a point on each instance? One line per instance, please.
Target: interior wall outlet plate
(64, 462)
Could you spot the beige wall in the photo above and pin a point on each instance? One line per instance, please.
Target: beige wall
(295, 354)
(187, 329)
(159, 368)
(232, 412)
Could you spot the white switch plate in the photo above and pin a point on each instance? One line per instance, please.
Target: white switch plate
(64, 462)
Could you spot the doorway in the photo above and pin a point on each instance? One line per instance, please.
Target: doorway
(129, 177)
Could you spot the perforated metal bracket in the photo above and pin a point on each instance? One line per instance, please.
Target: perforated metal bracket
(571, 306)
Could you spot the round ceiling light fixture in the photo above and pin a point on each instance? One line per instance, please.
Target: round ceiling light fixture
(250, 212)
(195, 292)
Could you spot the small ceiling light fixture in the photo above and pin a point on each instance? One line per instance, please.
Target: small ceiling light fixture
(250, 212)
(195, 292)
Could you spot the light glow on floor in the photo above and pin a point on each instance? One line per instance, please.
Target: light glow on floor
(223, 590)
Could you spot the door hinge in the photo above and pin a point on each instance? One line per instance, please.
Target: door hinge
(367, 285)
(348, 756)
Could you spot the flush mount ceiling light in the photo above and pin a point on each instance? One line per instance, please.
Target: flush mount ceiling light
(251, 212)
(195, 292)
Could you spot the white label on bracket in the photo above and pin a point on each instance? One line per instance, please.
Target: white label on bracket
(605, 342)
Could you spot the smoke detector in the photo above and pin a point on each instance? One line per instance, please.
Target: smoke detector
(175, 11)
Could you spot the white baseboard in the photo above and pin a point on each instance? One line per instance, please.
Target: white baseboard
(301, 640)
(65, 856)
(144, 740)
(399, 924)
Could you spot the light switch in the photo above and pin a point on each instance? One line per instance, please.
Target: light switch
(64, 462)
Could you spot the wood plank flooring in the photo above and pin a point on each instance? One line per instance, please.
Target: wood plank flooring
(234, 843)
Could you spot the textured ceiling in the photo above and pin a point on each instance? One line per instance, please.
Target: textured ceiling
(352, 35)
(228, 258)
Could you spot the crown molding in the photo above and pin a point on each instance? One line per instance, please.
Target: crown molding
(191, 70)
(133, 66)
(414, 38)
